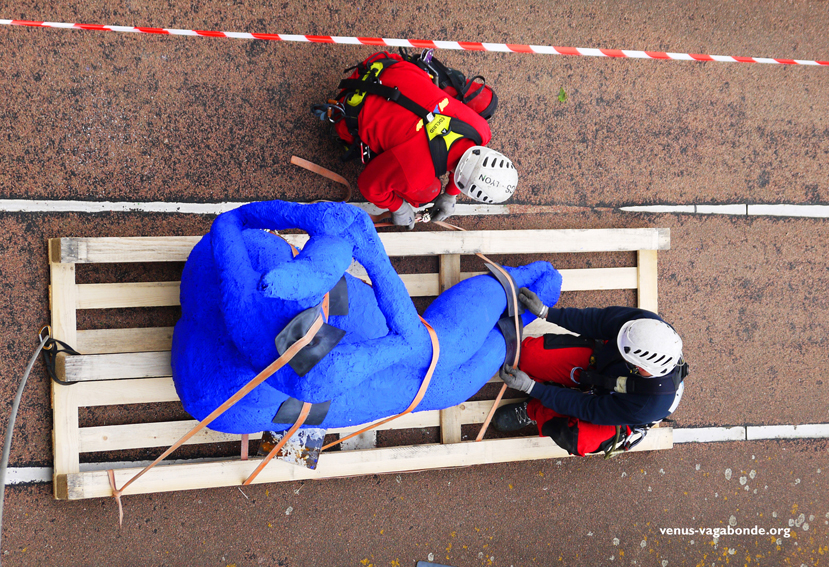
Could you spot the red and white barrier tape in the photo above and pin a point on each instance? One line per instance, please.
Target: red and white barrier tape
(426, 44)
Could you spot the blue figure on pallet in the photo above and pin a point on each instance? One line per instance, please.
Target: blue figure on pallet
(243, 290)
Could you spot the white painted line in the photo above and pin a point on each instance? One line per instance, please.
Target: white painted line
(36, 206)
(660, 209)
(805, 431)
(461, 210)
(811, 211)
(709, 434)
(25, 475)
(737, 209)
(39, 206)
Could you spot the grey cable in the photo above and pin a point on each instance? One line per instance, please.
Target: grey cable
(7, 445)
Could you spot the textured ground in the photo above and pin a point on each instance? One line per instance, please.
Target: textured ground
(104, 116)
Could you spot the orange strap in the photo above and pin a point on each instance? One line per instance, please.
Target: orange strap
(303, 414)
(245, 390)
(420, 393)
(500, 395)
(327, 173)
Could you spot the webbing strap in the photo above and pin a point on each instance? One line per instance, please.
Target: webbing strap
(303, 414)
(245, 390)
(500, 395)
(327, 173)
(418, 397)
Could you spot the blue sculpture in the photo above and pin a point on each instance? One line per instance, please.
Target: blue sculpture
(241, 286)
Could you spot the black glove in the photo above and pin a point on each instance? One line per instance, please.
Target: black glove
(443, 208)
(404, 216)
(533, 303)
(516, 379)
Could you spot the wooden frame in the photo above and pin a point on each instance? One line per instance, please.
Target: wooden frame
(130, 366)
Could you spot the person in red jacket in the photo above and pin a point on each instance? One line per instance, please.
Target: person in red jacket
(416, 132)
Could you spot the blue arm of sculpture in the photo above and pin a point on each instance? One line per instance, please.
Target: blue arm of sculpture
(337, 233)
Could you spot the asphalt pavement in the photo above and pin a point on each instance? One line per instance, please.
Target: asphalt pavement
(104, 116)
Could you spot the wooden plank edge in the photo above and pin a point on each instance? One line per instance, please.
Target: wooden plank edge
(147, 435)
(134, 248)
(167, 478)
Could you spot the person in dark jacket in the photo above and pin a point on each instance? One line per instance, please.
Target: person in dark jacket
(624, 369)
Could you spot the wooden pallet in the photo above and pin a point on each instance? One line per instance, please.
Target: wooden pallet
(132, 366)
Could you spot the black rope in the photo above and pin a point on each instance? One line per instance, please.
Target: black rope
(50, 352)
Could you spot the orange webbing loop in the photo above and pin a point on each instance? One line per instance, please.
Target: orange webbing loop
(245, 390)
(319, 170)
(420, 393)
(500, 395)
(303, 414)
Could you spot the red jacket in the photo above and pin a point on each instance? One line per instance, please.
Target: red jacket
(403, 169)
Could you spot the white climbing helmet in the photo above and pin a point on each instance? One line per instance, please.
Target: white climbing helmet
(486, 175)
(650, 344)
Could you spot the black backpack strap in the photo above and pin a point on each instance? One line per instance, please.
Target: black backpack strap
(392, 94)
(441, 130)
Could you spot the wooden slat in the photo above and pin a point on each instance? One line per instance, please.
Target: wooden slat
(166, 478)
(147, 435)
(450, 418)
(119, 295)
(109, 341)
(428, 285)
(177, 248)
(164, 434)
(598, 279)
(526, 241)
(648, 297)
(64, 398)
(118, 366)
(121, 250)
(117, 392)
(163, 294)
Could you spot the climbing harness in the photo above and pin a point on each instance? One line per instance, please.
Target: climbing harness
(442, 131)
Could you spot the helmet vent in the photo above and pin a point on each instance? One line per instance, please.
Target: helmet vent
(627, 349)
(485, 160)
(502, 163)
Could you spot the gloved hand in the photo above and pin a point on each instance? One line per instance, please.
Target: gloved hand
(533, 303)
(516, 379)
(404, 216)
(444, 207)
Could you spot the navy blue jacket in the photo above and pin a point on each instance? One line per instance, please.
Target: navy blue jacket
(602, 408)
